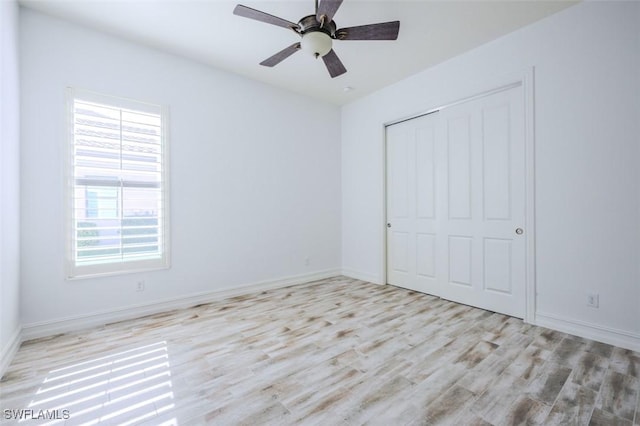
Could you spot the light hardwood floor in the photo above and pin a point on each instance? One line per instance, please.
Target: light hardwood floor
(334, 352)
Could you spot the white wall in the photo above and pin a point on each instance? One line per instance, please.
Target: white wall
(587, 152)
(9, 182)
(255, 173)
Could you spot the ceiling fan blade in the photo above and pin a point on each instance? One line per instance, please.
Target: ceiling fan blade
(333, 63)
(381, 31)
(281, 55)
(250, 13)
(327, 8)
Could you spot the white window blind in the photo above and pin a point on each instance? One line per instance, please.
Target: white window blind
(117, 217)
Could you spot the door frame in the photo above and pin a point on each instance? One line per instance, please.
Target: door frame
(525, 80)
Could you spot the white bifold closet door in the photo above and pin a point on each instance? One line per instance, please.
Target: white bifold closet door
(456, 203)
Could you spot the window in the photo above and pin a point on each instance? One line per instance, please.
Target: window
(117, 215)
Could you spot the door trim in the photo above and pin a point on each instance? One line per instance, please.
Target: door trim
(525, 80)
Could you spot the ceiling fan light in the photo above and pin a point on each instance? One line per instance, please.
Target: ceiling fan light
(316, 43)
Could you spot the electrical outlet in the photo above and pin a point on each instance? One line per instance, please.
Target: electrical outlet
(140, 285)
(593, 300)
(307, 261)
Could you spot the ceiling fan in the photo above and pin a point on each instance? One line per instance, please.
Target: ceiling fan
(318, 32)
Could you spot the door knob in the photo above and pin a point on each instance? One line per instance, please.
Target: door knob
(389, 225)
(519, 231)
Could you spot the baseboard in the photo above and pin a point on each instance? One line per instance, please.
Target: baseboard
(612, 336)
(10, 350)
(65, 325)
(363, 276)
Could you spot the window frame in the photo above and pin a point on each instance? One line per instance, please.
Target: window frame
(73, 271)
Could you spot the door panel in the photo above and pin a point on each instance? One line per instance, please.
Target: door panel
(459, 155)
(497, 265)
(399, 177)
(456, 191)
(460, 254)
(400, 244)
(496, 156)
(425, 172)
(426, 255)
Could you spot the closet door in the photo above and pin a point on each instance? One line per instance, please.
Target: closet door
(456, 203)
(411, 204)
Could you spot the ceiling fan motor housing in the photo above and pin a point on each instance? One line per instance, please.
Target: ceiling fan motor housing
(316, 36)
(310, 23)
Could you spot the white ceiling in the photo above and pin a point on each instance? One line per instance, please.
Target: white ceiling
(208, 32)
